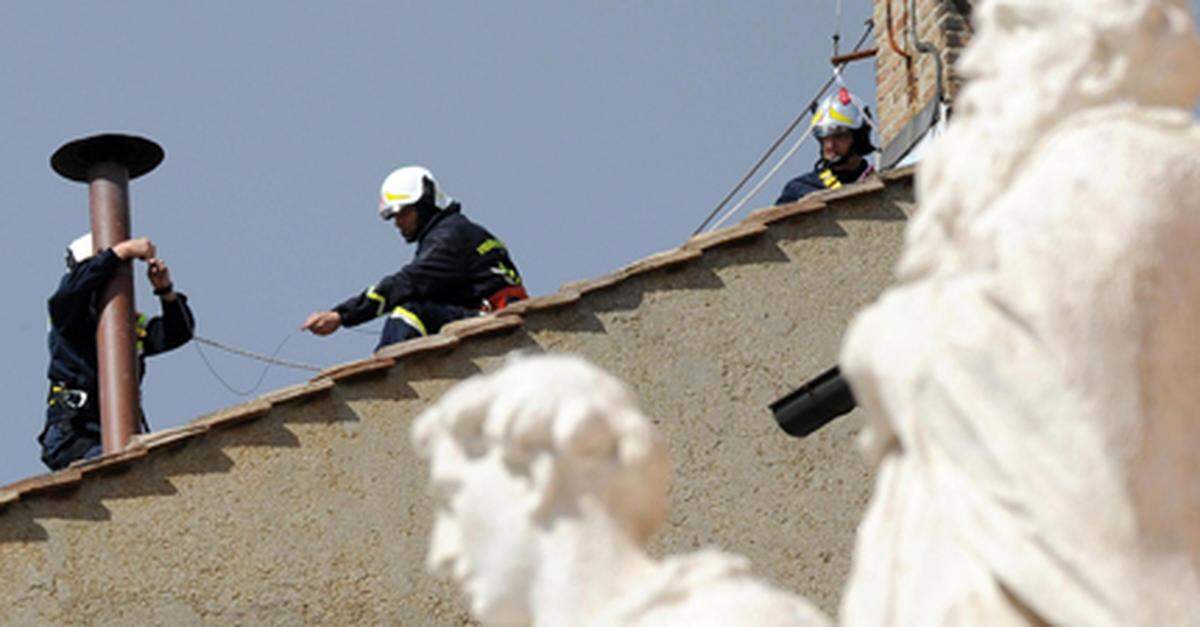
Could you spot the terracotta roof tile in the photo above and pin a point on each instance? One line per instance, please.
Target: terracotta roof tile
(587, 286)
(558, 299)
(743, 231)
(896, 174)
(235, 415)
(872, 184)
(355, 369)
(419, 345)
(104, 463)
(46, 483)
(770, 215)
(298, 392)
(166, 437)
(658, 261)
(481, 326)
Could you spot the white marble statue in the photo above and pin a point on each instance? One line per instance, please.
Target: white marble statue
(1033, 381)
(548, 481)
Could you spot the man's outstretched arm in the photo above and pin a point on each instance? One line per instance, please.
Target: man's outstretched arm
(439, 263)
(367, 305)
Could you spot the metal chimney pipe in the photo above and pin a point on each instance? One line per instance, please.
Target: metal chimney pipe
(107, 163)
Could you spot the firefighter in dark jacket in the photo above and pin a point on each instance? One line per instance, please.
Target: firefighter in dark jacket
(460, 269)
(845, 137)
(72, 429)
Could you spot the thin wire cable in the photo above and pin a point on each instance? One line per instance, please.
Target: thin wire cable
(837, 27)
(836, 78)
(745, 179)
(866, 110)
(765, 179)
(812, 106)
(270, 361)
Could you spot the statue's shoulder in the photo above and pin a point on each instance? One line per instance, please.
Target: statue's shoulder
(1116, 154)
(714, 588)
(1142, 135)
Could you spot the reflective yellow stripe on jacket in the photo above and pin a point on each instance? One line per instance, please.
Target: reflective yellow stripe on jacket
(829, 179)
(410, 319)
(140, 331)
(377, 297)
(488, 245)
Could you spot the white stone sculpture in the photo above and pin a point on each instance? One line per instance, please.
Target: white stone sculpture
(549, 480)
(1033, 381)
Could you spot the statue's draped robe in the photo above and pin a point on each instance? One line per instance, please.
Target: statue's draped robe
(1034, 392)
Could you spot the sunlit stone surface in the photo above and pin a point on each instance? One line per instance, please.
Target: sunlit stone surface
(1033, 381)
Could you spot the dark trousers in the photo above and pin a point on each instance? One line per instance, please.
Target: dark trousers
(72, 430)
(70, 434)
(418, 319)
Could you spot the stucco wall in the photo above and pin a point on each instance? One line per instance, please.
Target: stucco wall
(316, 513)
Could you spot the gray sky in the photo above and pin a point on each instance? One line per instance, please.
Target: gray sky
(585, 134)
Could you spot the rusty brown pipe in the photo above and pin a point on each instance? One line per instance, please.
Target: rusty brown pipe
(850, 57)
(108, 200)
(891, 34)
(107, 163)
(925, 47)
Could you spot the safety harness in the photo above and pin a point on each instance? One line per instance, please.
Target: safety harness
(503, 297)
(60, 394)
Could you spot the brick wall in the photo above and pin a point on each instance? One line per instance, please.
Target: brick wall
(904, 87)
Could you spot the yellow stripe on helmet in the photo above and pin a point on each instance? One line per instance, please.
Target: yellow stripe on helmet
(836, 115)
(390, 197)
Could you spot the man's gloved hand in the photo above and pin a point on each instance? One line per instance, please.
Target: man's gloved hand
(322, 322)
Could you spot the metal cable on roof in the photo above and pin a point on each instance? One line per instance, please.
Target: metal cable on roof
(812, 106)
(270, 360)
(765, 179)
(837, 27)
(767, 155)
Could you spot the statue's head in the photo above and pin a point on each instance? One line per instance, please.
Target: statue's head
(513, 451)
(1032, 67)
(1049, 59)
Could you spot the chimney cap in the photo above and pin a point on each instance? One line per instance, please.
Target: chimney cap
(75, 159)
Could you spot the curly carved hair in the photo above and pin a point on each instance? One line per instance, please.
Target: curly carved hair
(559, 416)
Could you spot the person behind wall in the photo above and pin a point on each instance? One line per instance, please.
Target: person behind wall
(841, 127)
(459, 270)
(72, 429)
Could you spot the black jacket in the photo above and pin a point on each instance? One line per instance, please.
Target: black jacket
(74, 317)
(806, 184)
(458, 262)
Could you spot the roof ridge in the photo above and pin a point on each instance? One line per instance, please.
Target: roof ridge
(504, 321)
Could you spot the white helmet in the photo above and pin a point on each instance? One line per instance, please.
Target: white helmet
(839, 113)
(406, 186)
(80, 250)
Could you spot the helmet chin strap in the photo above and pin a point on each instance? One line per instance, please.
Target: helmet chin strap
(836, 161)
(823, 163)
